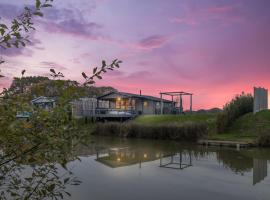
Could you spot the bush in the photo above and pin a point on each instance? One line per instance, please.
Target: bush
(264, 137)
(183, 132)
(238, 106)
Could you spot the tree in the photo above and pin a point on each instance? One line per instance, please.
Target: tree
(16, 33)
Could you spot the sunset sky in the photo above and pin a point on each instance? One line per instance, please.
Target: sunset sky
(212, 48)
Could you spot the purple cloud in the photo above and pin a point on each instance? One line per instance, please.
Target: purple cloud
(26, 51)
(195, 16)
(54, 65)
(152, 42)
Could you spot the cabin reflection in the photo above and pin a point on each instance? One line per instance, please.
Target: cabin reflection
(125, 156)
(180, 160)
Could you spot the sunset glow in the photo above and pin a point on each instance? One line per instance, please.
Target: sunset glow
(212, 48)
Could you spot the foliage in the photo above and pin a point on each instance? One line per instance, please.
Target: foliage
(183, 132)
(237, 107)
(15, 33)
(55, 74)
(98, 72)
(42, 141)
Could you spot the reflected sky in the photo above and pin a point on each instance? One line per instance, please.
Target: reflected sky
(132, 169)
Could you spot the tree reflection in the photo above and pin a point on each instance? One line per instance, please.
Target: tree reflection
(25, 178)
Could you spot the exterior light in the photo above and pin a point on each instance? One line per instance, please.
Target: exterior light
(118, 98)
(145, 155)
(118, 159)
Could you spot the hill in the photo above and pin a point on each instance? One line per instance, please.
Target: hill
(249, 127)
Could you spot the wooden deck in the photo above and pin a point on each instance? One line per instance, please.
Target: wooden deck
(110, 113)
(234, 144)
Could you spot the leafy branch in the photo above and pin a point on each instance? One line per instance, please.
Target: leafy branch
(16, 34)
(98, 72)
(55, 74)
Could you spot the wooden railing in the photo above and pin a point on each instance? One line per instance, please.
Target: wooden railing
(104, 112)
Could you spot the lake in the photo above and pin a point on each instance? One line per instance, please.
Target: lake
(147, 169)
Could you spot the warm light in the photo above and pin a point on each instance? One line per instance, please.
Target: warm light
(145, 155)
(145, 103)
(118, 159)
(119, 99)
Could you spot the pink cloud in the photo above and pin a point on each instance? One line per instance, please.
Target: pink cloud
(198, 16)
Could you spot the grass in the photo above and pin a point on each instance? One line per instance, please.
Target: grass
(164, 119)
(209, 119)
(247, 128)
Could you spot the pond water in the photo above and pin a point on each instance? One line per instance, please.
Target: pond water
(146, 169)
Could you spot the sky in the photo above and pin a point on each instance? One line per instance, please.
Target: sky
(214, 49)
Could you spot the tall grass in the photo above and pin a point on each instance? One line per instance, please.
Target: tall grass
(181, 132)
(238, 106)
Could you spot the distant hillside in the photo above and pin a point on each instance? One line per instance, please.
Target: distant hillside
(43, 86)
(212, 110)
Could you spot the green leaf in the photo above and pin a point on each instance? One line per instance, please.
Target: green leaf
(84, 75)
(94, 70)
(91, 82)
(51, 187)
(103, 63)
(46, 5)
(3, 26)
(53, 71)
(38, 4)
(2, 31)
(38, 13)
(66, 180)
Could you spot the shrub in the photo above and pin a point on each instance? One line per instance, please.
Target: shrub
(238, 106)
(181, 132)
(264, 137)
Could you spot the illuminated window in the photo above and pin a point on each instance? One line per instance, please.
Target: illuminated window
(145, 103)
(118, 103)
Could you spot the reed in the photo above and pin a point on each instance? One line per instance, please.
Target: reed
(189, 131)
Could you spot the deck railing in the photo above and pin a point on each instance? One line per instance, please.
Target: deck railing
(106, 112)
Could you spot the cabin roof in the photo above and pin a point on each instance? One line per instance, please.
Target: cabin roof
(130, 95)
(43, 99)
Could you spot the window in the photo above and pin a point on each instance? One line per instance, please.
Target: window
(145, 103)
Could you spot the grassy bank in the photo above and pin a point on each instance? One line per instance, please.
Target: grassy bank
(165, 119)
(254, 128)
(175, 127)
(208, 119)
(250, 128)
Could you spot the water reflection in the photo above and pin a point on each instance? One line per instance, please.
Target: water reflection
(156, 160)
(259, 170)
(179, 160)
(124, 153)
(125, 156)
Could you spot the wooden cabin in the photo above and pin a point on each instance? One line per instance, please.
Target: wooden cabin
(46, 103)
(141, 104)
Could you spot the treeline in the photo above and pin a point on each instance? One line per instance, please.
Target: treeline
(34, 86)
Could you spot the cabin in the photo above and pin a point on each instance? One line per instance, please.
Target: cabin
(140, 104)
(123, 105)
(46, 103)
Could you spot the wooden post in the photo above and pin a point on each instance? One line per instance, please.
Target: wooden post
(181, 104)
(161, 104)
(191, 103)
(172, 105)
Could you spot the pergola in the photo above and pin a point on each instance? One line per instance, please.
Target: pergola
(176, 94)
